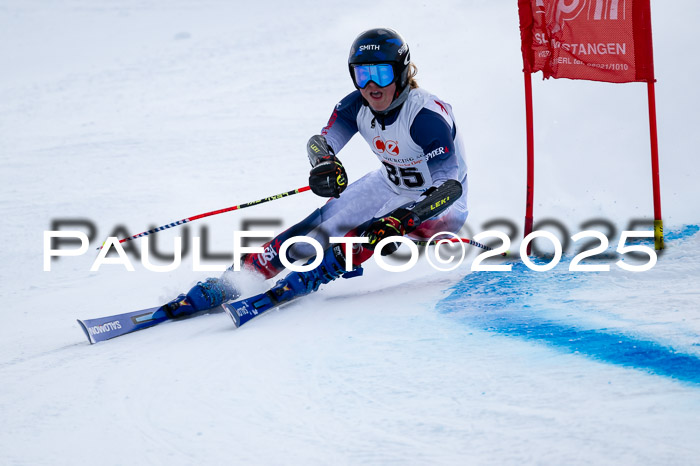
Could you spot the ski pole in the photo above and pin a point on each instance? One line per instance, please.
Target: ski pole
(459, 240)
(214, 212)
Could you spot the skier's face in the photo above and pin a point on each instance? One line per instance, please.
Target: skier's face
(379, 98)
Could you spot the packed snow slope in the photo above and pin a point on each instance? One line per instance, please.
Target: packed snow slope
(132, 114)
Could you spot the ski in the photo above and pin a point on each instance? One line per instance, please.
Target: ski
(106, 328)
(243, 310)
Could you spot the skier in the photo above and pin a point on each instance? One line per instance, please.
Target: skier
(414, 136)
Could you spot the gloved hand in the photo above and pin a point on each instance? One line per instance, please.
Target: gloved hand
(328, 179)
(399, 223)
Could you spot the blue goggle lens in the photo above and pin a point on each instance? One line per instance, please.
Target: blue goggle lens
(382, 75)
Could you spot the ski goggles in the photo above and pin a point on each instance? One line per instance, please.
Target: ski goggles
(382, 75)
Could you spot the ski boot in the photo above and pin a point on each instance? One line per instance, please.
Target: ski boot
(202, 297)
(302, 283)
(292, 286)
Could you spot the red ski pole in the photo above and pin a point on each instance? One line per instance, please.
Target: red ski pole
(214, 212)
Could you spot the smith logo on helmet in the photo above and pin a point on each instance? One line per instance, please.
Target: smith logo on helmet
(369, 47)
(403, 49)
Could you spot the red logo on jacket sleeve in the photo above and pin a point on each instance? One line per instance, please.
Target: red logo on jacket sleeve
(442, 107)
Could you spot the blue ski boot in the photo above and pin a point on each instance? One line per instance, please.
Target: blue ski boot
(202, 297)
(293, 285)
(302, 283)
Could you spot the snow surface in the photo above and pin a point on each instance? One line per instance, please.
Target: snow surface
(138, 113)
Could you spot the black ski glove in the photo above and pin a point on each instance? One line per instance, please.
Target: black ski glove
(328, 177)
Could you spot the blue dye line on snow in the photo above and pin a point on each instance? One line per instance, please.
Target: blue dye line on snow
(504, 303)
(685, 232)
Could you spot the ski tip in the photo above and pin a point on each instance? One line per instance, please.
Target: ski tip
(231, 311)
(87, 334)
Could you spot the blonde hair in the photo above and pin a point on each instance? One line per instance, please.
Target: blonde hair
(412, 72)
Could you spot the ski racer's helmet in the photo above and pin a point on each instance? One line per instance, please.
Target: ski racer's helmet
(377, 47)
